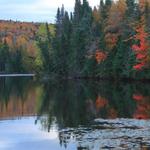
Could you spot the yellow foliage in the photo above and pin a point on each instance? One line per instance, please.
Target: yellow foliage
(115, 18)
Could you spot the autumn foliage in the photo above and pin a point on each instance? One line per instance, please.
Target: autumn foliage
(109, 41)
(113, 28)
(19, 34)
(138, 97)
(101, 102)
(143, 106)
(100, 56)
(141, 49)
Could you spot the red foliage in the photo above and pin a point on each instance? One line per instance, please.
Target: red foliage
(141, 50)
(143, 106)
(142, 111)
(138, 97)
(140, 56)
(101, 102)
(100, 56)
(141, 116)
(136, 48)
(139, 66)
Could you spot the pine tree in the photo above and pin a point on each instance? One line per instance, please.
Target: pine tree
(82, 28)
(4, 57)
(109, 31)
(131, 5)
(62, 44)
(119, 60)
(77, 11)
(108, 3)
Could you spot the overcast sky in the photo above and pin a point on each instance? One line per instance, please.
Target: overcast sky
(35, 10)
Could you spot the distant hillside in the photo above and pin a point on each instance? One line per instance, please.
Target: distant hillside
(19, 34)
(21, 40)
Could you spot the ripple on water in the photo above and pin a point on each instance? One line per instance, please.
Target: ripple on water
(111, 134)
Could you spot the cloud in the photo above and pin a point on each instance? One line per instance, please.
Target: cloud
(35, 10)
(57, 3)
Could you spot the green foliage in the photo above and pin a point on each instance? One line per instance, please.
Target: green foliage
(69, 47)
(42, 30)
(44, 55)
(4, 57)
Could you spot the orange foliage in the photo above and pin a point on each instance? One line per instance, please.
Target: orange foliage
(141, 50)
(100, 56)
(96, 15)
(142, 111)
(142, 4)
(143, 106)
(101, 102)
(111, 40)
(17, 107)
(112, 114)
(8, 39)
(113, 28)
(19, 34)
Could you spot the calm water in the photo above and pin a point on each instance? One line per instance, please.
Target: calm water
(73, 115)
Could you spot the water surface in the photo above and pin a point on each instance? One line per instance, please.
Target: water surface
(73, 115)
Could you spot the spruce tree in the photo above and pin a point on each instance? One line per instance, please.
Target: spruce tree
(82, 28)
(119, 61)
(62, 43)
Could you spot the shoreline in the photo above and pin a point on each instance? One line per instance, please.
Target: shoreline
(17, 75)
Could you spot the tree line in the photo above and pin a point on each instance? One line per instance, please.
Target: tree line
(108, 41)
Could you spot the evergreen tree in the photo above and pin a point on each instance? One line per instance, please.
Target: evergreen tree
(16, 60)
(108, 29)
(108, 3)
(82, 25)
(4, 57)
(46, 50)
(62, 44)
(119, 60)
(130, 12)
(77, 11)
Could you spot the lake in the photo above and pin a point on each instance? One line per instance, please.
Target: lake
(73, 115)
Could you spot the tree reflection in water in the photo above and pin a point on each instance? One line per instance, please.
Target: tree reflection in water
(72, 107)
(17, 97)
(74, 103)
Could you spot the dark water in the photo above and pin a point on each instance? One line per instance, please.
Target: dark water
(73, 115)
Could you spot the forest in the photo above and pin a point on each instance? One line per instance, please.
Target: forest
(110, 41)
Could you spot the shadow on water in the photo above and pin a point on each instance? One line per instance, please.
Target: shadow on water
(88, 112)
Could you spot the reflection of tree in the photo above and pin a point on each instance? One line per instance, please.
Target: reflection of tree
(115, 100)
(143, 106)
(65, 101)
(75, 104)
(141, 96)
(15, 86)
(14, 92)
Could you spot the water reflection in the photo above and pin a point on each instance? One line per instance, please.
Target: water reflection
(17, 97)
(73, 106)
(77, 103)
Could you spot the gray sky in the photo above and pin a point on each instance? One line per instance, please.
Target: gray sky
(35, 10)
